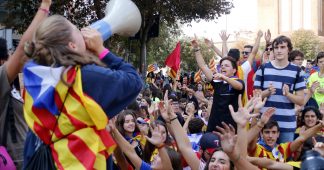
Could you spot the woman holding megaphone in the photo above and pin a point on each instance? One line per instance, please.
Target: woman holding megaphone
(73, 86)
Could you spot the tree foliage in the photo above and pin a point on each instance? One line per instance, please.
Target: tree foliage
(83, 12)
(307, 42)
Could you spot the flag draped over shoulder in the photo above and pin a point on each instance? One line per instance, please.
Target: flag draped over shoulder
(173, 61)
(66, 119)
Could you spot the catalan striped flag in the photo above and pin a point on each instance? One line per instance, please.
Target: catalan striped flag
(212, 65)
(198, 76)
(66, 119)
(173, 61)
(152, 68)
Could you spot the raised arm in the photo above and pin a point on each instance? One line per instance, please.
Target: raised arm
(17, 60)
(255, 48)
(200, 60)
(224, 38)
(269, 164)
(179, 133)
(211, 45)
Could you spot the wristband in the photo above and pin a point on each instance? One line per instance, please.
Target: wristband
(44, 10)
(173, 119)
(103, 53)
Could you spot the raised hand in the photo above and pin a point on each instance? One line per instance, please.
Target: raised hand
(166, 109)
(242, 116)
(223, 36)
(259, 103)
(260, 33)
(267, 36)
(209, 43)
(267, 115)
(194, 42)
(111, 124)
(156, 138)
(228, 137)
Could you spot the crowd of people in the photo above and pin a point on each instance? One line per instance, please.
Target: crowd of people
(83, 107)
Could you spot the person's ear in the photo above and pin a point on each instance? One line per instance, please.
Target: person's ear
(72, 45)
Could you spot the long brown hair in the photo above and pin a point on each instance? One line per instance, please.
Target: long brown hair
(50, 46)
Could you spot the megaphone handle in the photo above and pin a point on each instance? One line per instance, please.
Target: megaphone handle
(103, 27)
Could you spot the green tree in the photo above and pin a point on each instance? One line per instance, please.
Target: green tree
(307, 42)
(83, 12)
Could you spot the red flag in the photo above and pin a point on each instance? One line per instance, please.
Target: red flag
(173, 60)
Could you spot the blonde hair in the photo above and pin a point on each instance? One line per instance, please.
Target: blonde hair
(50, 46)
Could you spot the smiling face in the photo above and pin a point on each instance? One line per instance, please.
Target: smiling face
(310, 119)
(227, 68)
(129, 124)
(270, 136)
(219, 161)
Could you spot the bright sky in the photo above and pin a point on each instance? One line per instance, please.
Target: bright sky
(242, 17)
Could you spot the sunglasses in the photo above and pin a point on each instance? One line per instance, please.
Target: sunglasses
(245, 53)
(268, 49)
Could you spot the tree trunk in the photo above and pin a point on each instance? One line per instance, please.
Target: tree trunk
(143, 40)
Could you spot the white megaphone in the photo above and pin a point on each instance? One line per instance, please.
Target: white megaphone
(122, 18)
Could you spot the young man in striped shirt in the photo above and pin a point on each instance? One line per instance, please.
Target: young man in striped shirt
(281, 83)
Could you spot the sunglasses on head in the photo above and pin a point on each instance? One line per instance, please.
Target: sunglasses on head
(269, 49)
(245, 52)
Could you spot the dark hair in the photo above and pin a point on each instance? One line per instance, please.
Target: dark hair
(234, 65)
(270, 124)
(149, 147)
(121, 120)
(216, 150)
(293, 54)
(282, 39)
(319, 56)
(175, 158)
(3, 49)
(310, 108)
(249, 46)
(234, 53)
(182, 100)
(195, 125)
(147, 92)
(309, 61)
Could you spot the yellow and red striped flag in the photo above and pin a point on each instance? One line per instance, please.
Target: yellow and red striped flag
(66, 119)
(212, 65)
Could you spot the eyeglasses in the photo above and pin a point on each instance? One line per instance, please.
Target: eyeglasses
(268, 49)
(245, 52)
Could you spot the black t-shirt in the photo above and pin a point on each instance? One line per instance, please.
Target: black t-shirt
(224, 95)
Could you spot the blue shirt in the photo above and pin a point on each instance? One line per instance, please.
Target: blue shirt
(112, 87)
(285, 114)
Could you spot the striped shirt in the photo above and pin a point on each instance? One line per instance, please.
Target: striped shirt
(285, 114)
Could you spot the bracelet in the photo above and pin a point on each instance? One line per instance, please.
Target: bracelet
(161, 146)
(103, 53)
(173, 119)
(44, 10)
